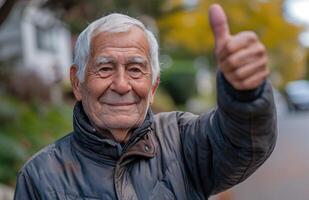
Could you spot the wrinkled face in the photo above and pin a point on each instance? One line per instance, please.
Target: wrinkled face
(118, 89)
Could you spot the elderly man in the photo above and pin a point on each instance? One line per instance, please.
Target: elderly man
(120, 150)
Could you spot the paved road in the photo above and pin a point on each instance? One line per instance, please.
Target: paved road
(285, 176)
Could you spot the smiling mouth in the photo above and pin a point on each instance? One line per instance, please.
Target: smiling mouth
(121, 104)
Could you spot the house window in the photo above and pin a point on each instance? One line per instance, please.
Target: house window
(45, 39)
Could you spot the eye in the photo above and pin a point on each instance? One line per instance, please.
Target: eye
(135, 71)
(105, 71)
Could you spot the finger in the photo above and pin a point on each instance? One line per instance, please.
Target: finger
(249, 70)
(244, 56)
(219, 25)
(253, 81)
(239, 41)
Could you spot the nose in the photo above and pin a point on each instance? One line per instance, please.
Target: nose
(121, 83)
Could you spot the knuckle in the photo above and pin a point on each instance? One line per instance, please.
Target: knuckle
(264, 62)
(238, 74)
(261, 48)
(231, 62)
(252, 35)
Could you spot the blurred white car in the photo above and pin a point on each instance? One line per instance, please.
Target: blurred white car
(297, 94)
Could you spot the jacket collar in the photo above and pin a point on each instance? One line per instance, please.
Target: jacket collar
(89, 141)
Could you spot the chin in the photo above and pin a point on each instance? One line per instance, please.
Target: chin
(122, 122)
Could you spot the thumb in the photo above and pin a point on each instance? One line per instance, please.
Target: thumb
(219, 25)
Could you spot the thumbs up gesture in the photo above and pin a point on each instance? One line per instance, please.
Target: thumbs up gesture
(242, 57)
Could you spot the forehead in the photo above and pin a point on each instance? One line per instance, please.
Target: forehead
(133, 41)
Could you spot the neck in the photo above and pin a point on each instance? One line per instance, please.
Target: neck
(119, 135)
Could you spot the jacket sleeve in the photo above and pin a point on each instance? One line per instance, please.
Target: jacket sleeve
(25, 189)
(223, 147)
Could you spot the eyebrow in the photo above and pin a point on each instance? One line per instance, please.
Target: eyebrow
(137, 59)
(110, 59)
(104, 60)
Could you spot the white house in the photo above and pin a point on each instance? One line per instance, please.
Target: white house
(34, 38)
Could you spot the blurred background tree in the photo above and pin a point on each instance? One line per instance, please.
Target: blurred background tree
(188, 29)
(28, 122)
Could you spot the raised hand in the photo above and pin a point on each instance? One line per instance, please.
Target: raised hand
(242, 57)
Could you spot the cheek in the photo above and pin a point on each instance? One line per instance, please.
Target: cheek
(95, 88)
(142, 89)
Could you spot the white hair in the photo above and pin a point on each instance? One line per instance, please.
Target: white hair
(114, 23)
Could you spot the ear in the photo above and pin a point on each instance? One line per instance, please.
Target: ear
(75, 83)
(154, 89)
